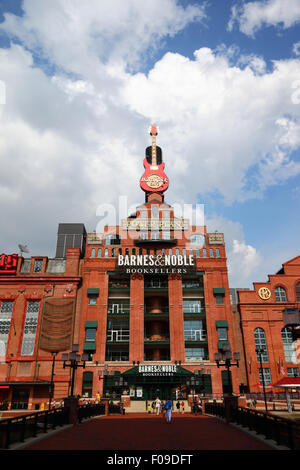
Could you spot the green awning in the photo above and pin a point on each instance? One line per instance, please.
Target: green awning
(222, 343)
(89, 346)
(93, 291)
(222, 324)
(219, 291)
(91, 324)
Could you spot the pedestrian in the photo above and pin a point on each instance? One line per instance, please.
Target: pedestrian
(167, 406)
(182, 407)
(149, 408)
(157, 405)
(178, 406)
(153, 407)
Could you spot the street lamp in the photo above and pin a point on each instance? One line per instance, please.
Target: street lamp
(260, 351)
(224, 360)
(74, 359)
(51, 387)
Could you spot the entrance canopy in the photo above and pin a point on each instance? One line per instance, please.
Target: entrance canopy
(288, 382)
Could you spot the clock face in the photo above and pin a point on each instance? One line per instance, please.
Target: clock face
(264, 293)
(154, 181)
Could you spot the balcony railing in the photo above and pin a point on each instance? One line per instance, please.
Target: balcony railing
(118, 309)
(196, 308)
(195, 335)
(119, 284)
(156, 284)
(117, 335)
(191, 285)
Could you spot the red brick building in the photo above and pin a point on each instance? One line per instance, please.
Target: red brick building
(33, 290)
(261, 316)
(155, 303)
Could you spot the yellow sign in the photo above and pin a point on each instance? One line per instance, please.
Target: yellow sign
(264, 293)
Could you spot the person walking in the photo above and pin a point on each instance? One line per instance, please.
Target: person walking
(182, 407)
(157, 405)
(167, 406)
(153, 407)
(178, 406)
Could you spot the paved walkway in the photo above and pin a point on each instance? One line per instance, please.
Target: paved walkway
(148, 432)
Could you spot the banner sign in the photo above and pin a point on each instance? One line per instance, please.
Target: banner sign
(155, 224)
(8, 263)
(159, 369)
(216, 239)
(156, 264)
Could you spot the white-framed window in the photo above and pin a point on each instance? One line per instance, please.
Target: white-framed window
(288, 345)
(266, 373)
(31, 321)
(38, 264)
(280, 294)
(6, 309)
(261, 342)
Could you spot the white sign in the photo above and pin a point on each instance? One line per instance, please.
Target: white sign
(159, 369)
(156, 264)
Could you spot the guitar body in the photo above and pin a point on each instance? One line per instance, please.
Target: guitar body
(154, 179)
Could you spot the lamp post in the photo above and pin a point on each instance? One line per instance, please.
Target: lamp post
(51, 387)
(260, 351)
(224, 360)
(74, 360)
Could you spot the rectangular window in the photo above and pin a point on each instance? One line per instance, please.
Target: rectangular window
(93, 299)
(266, 375)
(222, 334)
(5, 320)
(196, 354)
(219, 299)
(166, 235)
(292, 371)
(191, 306)
(90, 334)
(31, 321)
(38, 264)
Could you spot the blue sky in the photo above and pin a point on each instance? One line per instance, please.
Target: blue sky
(83, 82)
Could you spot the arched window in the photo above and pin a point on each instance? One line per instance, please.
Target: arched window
(99, 253)
(106, 253)
(211, 253)
(113, 251)
(93, 252)
(280, 294)
(288, 345)
(133, 251)
(298, 292)
(261, 343)
(197, 253)
(177, 251)
(120, 251)
(217, 252)
(204, 254)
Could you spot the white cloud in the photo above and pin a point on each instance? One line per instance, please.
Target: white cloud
(74, 139)
(296, 48)
(252, 16)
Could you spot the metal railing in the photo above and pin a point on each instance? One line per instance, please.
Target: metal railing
(17, 429)
(118, 309)
(283, 431)
(156, 284)
(117, 335)
(87, 411)
(195, 335)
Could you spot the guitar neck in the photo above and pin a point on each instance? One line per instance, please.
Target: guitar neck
(154, 159)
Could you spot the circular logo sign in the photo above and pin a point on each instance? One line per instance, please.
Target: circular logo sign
(154, 181)
(264, 293)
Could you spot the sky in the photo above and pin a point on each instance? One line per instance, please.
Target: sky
(80, 83)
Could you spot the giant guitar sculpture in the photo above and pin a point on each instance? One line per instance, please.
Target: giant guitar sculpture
(154, 179)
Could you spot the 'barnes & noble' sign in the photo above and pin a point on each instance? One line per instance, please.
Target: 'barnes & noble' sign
(159, 369)
(156, 264)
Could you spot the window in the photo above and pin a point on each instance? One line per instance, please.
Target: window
(133, 251)
(38, 264)
(106, 253)
(211, 253)
(217, 252)
(93, 299)
(144, 234)
(93, 253)
(204, 253)
(288, 345)
(154, 212)
(219, 299)
(5, 320)
(177, 252)
(191, 306)
(196, 354)
(166, 235)
(197, 253)
(280, 294)
(112, 239)
(99, 253)
(260, 342)
(266, 374)
(87, 384)
(193, 330)
(113, 252)
(197, 240)
(30, 327)
(90, 334)
(292, 372)
(298, 292)
(222, 334)
(154, 235)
